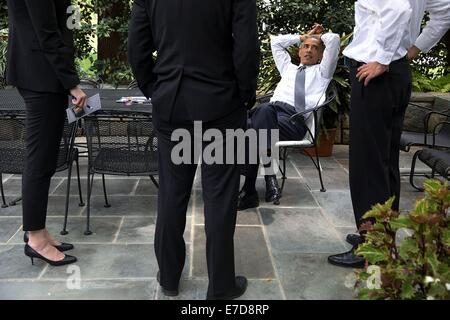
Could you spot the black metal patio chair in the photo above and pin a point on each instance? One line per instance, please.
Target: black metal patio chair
(119, 145)
(13, 148)
(424, 135)
(435, 156)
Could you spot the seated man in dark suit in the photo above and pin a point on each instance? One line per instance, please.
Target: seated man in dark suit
(301, 88)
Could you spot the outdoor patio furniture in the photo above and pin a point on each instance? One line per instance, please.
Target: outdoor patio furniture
(435, 134)
(12, 153)
(437, 160)
(312, 119)
(119, 145)
(424, 136)
(435, 156)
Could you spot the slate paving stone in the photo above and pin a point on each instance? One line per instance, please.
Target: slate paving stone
(124, 206)
(337, 207)
(106, 261)
(142, 230)
(8, 227)
(13, 187)
(15, 265)
(301, 162)
(251, 254)
(300, 230)
(311, 277)
(333, 178)
(114, 186)
(244, 217)
(103, 230)
(146, 187)
(87, 290)
(294, 194)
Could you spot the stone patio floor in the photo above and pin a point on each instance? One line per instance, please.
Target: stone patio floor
(281, 249)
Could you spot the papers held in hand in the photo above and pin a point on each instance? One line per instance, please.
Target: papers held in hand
(93, 104)
(134, 100)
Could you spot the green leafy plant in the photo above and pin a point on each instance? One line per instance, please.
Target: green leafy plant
(417, 267)
(422, 83)
(103, 35)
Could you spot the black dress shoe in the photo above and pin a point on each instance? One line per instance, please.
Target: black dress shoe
(347, 259)
(62, 247)
(30, 252)
(273, 191)
(237, 291)
(247, 200)
(166, 292)
(354, 239)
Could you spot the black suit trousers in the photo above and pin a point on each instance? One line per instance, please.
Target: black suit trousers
(220, 184)
(270, 116)
(376, 119)
(45, 115)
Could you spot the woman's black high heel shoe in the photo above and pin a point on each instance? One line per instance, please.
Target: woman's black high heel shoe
(30, 252)
(62, 247)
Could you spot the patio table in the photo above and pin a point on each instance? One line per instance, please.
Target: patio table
(12, 103)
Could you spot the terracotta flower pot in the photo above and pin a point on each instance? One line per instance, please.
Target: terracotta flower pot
(325, 147)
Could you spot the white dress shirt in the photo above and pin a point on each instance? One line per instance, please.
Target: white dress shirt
(386, 29)
(317, 77)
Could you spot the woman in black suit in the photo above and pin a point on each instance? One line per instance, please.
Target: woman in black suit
(41, 65)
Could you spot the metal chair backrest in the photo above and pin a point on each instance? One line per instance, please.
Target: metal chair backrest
(13, 144)
(121, 145)
(313, 120)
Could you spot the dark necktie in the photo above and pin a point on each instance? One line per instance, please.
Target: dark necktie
(300, 89)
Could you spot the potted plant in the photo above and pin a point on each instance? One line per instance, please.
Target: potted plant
(417, 267)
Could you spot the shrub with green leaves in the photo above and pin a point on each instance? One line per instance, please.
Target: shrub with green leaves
(418, 266)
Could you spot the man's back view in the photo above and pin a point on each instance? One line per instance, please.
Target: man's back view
(206, 69)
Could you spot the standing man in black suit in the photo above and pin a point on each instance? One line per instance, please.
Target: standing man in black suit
(206, 70)
(41, 65)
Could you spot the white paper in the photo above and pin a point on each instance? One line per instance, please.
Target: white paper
(134, 100)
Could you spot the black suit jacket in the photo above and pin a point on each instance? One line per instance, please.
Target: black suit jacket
(207, 55)
(40, 46)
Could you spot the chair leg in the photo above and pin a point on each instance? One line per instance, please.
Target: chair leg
(81, 204)
(107, 205)
(66, 212)
(319, 169)
(4, 205)
(283, 171)
(90, 182)
(154, 181)
(413, 169)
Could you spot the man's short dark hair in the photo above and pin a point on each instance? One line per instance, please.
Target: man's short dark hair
(317, 37)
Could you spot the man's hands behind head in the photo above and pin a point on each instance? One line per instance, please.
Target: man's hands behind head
(316, 31)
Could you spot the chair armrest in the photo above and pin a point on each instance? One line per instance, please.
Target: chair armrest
(439, 124)
(316, 108)
(445, 113)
